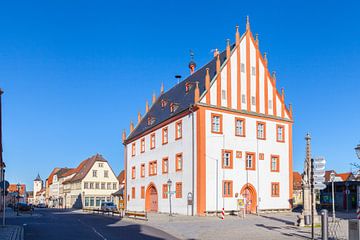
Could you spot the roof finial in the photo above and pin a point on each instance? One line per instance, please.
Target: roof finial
(237, 35)
(218, 64)
(274, 75)
(197, 92)
(257, 39)
(139, 117)
(247, 23)
(207, 79)
(146, 106)
(290, 109)
(282, 94)
(265, 58)
(153, 98)
(131, 126)
(162, 88)
(227, 48)
(192, 64)
(216, 52)
(123, 135)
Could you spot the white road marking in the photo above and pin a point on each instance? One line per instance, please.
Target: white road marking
(98, 233)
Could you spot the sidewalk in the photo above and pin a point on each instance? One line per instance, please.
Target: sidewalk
(11, 232)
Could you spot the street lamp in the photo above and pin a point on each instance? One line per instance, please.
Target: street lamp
(332, 178)
(18, 197)
(169, 182)
(357, 150)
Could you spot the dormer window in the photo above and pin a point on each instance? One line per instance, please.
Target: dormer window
(151, 120)
(163, 103)
(173, 107)
(188, 87)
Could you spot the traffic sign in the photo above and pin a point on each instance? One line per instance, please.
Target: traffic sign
(318, 169)
(319, 179)
(319, 186)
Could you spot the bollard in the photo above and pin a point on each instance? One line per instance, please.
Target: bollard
(324, 224)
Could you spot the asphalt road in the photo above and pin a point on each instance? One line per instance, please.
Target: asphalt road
(58, 224)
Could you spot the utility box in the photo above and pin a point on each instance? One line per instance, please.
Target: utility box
(354, 227)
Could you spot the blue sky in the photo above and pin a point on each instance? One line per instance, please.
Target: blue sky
(76, 72)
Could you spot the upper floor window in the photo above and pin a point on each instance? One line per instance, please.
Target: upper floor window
(275, 163)
(152, 168)
(102, 185)
(178, 130)
(165, 190)
(97, 185)
(101, 165)
(253, 100)
(261, 130)
(227, 159)
(165, 165)
(86, 185)
(142, 192)
(106, 173)
(142, 145)
(94, 173)
(242, 67)
(223, 94)
(275, 189)
(133, 172)
(152, 141)
(165, 135)
(250, 161)
(151, 120)
(270, 104)
(142, 170)
(253, 71)
(178, 190)
(173, 107)
(179, 162)
(91, 185)
(280, 134)
(133, 192)
(216, 123)
(108, 185)
(243, 98)
(240, 127)
(227, 188)
(163, 103)
(133, 149)
(114, 186)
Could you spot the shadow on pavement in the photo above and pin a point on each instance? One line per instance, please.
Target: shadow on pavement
(287, 222)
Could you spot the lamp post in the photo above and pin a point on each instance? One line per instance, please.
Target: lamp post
(18, 197)
(169, 182)
(332, 177)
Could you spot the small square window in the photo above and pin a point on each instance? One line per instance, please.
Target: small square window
(242, 67)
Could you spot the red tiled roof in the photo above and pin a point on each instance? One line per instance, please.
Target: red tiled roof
(13, 188)
(121, 177)
(327, 175)
(344, 176)
(50, 178)
(297, 180)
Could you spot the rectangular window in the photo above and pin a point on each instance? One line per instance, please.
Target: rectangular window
(102, 185)
(216, 123)
(87, 202)
(97, 185)
(243, 98)
(108, 186)
(242, 67)
(261, 156)
(178, 190)
(227, 158)
(142, 143)
(114, 186)
(142, 192)
(94, 173)
(261, 130)
(91, 201)
(253, 71)
(270, 104)
(143, 170)
(275, 189)
(152, 168)
(227, 188)
(98, 201)
(101, 164)
(165, 165)
(280, 133)
(133, 172)
(275, 163)
(91, 185)
(165, 135)
(178, 130)
(133, 192)
(106, 173)
(179, 162)
(223, 94)
(86, 185)
(240, 127)
(253, 100)
(133, 148)
(152, 141)
(250, 161)
(165, 191)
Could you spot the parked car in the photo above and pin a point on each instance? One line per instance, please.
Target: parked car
(23, 207)
(41, 205)
(108, 206)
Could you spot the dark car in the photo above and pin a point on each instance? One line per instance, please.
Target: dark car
(23, 207)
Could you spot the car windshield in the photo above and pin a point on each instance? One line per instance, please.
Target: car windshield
(110, 204)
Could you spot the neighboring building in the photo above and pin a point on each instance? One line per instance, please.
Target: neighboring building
(221, 134)
(30, 197)
(119, 195)
(40, 197)
(297, 189)
(48, 183)
(38, 188)
(14, 195)
(91, 183)
(54, 187)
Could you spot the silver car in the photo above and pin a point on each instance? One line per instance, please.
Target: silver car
(108, 206)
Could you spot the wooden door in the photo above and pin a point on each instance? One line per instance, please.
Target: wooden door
(153, 200)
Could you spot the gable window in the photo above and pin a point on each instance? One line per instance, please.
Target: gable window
(152, 141)
(133, 172)
(142, 170)
(275, 163)
(102, 185)
(86, 185)
(270, 104)
(179, 162)
(253, 71)
(94, 173)
(165, 135)
(227, 188)
(108, 186)
(97, 185)
(91, 185)
(101, 165)
(240, 127)
(152, 168)
(250, 161)
(142, 192)
(133, 149)
(165, 191)
(133, 192)
(242, 67)
(114, 186)
(261, 130)
(165, 165)
(142, 145)
(275, 189)
(151, 120)
(280, 133)
(243, 98)
(253, 100)
(223, 94)
(106, 173)
(178, 130)
(216, 123)
(178, 190)
(227, 158)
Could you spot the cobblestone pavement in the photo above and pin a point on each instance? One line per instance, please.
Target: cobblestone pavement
(265, 226)
(11, 232)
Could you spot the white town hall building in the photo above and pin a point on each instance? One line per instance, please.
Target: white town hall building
(221, 134)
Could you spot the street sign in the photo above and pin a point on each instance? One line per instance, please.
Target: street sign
(318, 168)
(319, 186)
(2, 185)
(319, 179)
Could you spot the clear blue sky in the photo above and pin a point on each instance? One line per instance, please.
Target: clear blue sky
(76, 72)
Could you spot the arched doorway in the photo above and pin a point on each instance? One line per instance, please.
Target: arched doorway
(248, 192)
(151, 200)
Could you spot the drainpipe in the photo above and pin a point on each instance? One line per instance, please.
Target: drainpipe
(191, 109)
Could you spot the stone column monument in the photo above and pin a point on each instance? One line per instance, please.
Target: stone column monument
(306, 186)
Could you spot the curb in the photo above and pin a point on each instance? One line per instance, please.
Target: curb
(18, 234)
